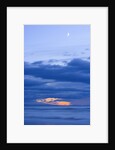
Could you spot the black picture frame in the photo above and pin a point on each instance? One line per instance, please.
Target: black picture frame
(3, 28)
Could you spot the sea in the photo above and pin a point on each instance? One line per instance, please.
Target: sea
(42, 114)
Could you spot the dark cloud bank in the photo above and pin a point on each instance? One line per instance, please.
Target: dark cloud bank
(70, 82)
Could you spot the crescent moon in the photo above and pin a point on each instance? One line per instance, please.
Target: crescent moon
(68, 34)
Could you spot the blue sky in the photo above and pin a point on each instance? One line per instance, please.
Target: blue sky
(44, 42)
(57, 62)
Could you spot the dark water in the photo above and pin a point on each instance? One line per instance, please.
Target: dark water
(35, 114)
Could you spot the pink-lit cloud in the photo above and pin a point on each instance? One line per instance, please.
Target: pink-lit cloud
(54, 101)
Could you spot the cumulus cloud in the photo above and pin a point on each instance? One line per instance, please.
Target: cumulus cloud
(69, 82)
(76, 71)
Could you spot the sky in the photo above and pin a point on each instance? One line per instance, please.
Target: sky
(44, 42)
(57, 62)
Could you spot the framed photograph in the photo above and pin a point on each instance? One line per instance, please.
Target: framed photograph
(57, 75)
